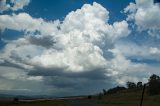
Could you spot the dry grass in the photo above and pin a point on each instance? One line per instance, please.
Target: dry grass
(34, 103)
(124, 98)
(129, 98)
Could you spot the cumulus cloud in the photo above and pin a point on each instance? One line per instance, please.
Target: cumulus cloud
(19, 4)
(24, 22)
(78, 42)
(138, 51)
(45, 41)
(145, 14)
(15, 79)
(13, 5)
(154, 51)
(3, 5)
(72, 52)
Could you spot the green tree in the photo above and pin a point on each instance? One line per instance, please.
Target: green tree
(115, 90)
(131, 85)
(104, 92)
(139, 85)
(154, 85)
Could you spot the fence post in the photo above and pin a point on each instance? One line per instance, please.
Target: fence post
(142, 94)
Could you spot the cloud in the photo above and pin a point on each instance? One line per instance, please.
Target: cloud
(3, 5)
(13, 5)
(46, 41)
(78, 44)
(24, 22)
(132, 50)
(154, 50)
(16, 80)
(145, 14)
(97, 74)
(72, 53)
(72, 59)
(19, 4)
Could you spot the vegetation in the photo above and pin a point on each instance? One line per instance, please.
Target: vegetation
(154, 85)
(34, 103)
(131, 85)
(131, 96)
(139, 85)
(115, 90)
(104, 92)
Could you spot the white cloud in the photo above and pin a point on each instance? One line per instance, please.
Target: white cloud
(3, 6)
(24, 22)
(20, 52)
(139, 52)
(131, 9)
(80, 58)
(145, 14)
(19, 4)
(129, 49)
(123, 70)
(16, 5)
(140, 73)
(78, 42)
(154, 51)
(121, 65)
(10, 74)
(123, 79)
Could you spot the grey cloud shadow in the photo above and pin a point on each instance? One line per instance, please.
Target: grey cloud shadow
(45, 41)
(92, 74)
(9, 64)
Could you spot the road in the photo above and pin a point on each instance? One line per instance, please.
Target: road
(83, 103)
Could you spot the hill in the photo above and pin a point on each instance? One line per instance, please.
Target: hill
(128, 98)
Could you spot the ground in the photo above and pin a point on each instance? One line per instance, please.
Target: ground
(123, 98)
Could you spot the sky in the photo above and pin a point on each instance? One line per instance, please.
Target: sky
(77, 47)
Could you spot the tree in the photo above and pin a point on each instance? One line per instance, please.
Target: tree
(104, 92)
(139, 85)
(115, 90)
(89, 97)
(131, 85)
(154, 85)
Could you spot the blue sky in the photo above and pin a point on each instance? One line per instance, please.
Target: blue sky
(66, 46)
(59, 9)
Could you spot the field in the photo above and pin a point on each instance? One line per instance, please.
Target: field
(123, 98)
(33, 103)
(129, 98)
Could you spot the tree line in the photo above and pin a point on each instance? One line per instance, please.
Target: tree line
(152, 86)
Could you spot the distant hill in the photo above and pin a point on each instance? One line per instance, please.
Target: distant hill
(23, 97)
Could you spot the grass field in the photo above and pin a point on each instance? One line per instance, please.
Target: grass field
(129, 98)
(34, 103)
(123, 98)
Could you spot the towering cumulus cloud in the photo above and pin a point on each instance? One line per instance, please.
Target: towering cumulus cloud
(68, 54)
(76, 44)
